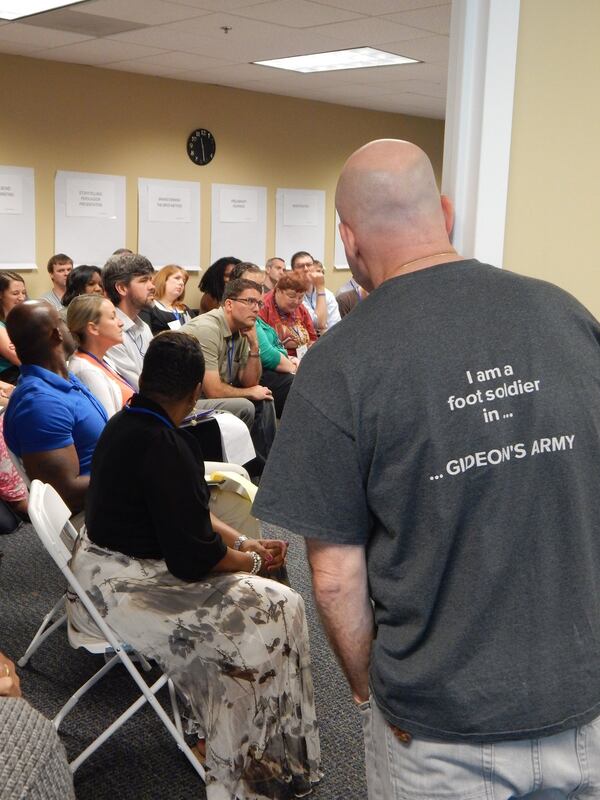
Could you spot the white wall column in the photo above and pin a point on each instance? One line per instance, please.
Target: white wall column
(479, 110)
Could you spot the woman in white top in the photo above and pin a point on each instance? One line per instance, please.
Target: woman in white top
(169, 312)
(94, 323)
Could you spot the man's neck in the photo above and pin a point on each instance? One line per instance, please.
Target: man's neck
(127, 308)
(55, 362)
(57, 291)
(417, 262)
(269, 284)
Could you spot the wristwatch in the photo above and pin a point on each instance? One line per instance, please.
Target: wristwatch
(237, 545)
(254, 355)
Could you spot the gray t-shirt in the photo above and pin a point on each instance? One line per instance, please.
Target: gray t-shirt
(451, 425)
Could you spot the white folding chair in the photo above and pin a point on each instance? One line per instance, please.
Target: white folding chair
(50, 516)
(57, 615)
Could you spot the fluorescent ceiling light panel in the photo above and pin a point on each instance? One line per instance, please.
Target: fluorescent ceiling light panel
(357, 58)
(15, 9)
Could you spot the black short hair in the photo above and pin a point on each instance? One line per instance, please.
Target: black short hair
(239, 285)
(298, 255)
(173, 366)
(212, 282)
(123, 269)
(77, 280)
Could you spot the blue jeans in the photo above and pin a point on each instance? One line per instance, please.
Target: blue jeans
(566, 765)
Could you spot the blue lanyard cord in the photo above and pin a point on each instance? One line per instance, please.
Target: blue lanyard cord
(150, 413)
(108, 368)
(134, 339)
(230, 352)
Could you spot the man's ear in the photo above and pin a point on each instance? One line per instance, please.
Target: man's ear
(448, 212)
(348, 240)
(121, 288)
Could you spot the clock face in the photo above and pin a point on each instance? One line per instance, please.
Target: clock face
(201, 146)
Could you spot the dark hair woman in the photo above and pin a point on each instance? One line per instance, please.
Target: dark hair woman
(85, 279)
(213, 282)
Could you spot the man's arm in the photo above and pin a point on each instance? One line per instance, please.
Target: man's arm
(339, 575)
(213, 387)
(59, 468)
(250, 373)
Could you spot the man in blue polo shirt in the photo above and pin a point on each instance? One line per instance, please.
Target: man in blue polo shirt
(52, 421)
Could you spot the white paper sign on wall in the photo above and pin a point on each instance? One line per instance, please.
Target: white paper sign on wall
(169, 205)
(11, 194)
(238, 204)
(90, 198)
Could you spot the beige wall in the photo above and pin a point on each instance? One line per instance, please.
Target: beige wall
(71, 117)
(554, 191)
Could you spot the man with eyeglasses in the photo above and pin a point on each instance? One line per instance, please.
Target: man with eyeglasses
(229, 343)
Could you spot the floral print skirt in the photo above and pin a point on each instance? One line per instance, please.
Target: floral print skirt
(236, 647)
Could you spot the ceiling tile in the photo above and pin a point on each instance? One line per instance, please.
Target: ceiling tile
(17, 48)
(98, 51)
(216, 5)
(376, 7)
(142, 67)
(183, 61)
(149, 12)
(64, 19)
(368, 31)
(42, 37)
(435, 19)
(296, 13)
(431, 48)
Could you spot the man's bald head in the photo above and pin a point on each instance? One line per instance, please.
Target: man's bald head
(388, 198)
(388, 184)
(34, 327)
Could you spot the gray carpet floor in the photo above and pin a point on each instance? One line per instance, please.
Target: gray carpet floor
(141, 760)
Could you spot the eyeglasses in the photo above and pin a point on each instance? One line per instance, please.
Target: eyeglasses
(249, 301)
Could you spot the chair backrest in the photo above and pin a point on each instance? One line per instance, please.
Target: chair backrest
(50, 517)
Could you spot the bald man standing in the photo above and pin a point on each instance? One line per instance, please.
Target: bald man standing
(450, 505)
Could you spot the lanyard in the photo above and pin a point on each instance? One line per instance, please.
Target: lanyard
(289, 319)
(136, 338)
(150, 413)
(230, 351)
(107, 367)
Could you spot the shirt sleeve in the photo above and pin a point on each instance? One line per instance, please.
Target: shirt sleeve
(39, 424)
(178, 496)
(270, 354)
(98, 384)
(312, 482)
(333, 311)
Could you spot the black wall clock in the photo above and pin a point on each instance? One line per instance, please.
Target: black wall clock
(201, 147)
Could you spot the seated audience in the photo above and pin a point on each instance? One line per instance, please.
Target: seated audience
(233, 641)
(284, 311)
(93, 321)
(229, 343)
(318, 301)
(12, 292)
(278, 368)
(33, 762)
(274, 269)
(129, 284)
(169, 312)
(213, 282)
(52, 421)
(348, 300)
(85, 279)
(59, 266)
